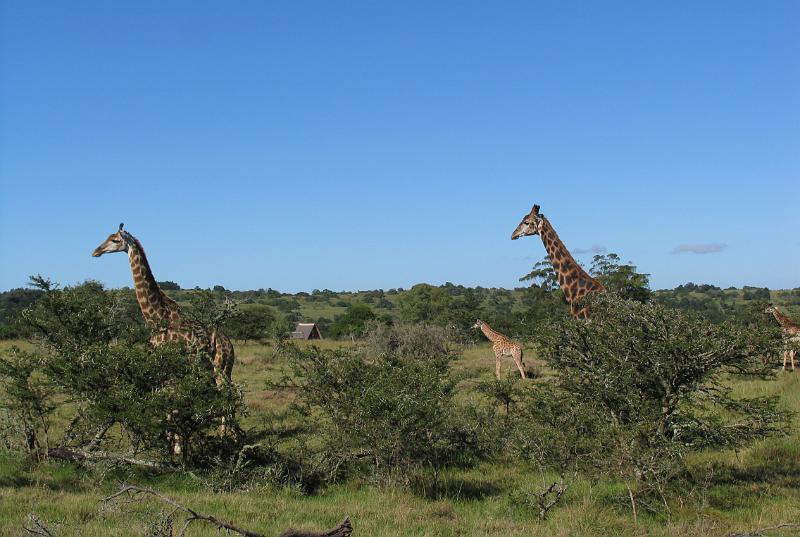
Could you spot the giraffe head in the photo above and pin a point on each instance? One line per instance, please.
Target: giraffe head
(116, 242)
(478, 324)
(770, 309)
(531, 224)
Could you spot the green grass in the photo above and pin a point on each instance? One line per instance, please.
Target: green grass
(755, 488)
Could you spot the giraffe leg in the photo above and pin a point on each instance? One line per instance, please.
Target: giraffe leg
(792, 355)
(517, 355)
(785, 359)
(223, 358)
(497, 357)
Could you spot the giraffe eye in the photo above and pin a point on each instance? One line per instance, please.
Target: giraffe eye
(115, 240)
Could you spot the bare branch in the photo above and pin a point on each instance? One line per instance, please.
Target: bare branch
(554, 492)
(343, 529)
(760, 532)
(79, 455)
(37, 527)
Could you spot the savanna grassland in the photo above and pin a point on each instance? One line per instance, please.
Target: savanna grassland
(749, 490)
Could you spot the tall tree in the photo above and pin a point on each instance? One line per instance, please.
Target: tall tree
(620, 278)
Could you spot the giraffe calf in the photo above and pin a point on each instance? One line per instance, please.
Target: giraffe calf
(502, 346)
(791, 333)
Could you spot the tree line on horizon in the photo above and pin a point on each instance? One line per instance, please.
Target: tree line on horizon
(270, 314)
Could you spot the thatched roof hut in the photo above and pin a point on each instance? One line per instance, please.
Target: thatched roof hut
(306, 331)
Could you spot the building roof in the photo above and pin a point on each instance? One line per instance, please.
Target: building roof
(306, 331)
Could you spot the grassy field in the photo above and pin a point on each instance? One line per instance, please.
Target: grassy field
(753, 489)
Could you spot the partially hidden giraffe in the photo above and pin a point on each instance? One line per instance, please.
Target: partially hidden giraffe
(502, 346)
(161, 313)
(573, 280)
(791, 332)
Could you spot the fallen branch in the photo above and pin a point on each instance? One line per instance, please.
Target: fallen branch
(36, 527)
(343, 529)
(760, 532)
(80, 455)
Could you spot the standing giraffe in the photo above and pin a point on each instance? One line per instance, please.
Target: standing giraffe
(502, 346)
(161, 313)
(163, 316)
(573, 280)
(791, 332)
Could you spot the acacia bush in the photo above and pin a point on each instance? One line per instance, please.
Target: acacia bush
(640, 386)
(410, 341)
(28, 403)
(96, 359)
(386, 411)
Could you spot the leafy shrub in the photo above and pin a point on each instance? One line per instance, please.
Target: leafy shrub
(386, 411)
(257, 323)
(27, 402)
(98, 357)
(646, 384)
(352, 322)
(414, 341)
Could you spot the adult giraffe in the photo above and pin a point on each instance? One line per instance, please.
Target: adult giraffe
(573, 280)
(162, 314)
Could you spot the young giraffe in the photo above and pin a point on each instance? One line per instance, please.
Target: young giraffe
(161, 313)
(791, 331)
(502, 346)
(573, 280)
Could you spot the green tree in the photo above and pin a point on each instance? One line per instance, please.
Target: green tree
(755, 293)
(388, 411)
(424, 303)
(208, 310)
(544, 299)
(621, 278)
(12, 304)
(656, 378)
(542, 275)
(100, 362)
(352, 322)
(28, 399)
(463, 310)
(257, 323)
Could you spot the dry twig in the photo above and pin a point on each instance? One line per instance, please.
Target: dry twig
(343, 529)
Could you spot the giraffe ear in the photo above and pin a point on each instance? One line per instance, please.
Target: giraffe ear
(120, 226)
(535, 209)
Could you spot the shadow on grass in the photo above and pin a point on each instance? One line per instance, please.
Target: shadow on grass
(785, 474)
(452, 488)
(777, 464)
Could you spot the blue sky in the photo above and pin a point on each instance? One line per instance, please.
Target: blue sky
(359, 145)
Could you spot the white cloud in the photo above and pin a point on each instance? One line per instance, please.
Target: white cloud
(595, 249)
(709, 248)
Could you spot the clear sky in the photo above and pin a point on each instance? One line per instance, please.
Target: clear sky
(359, 145)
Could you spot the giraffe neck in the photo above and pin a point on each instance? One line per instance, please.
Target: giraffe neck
(156, 306)
(783, 320)
(488, 332)
(573, 280)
